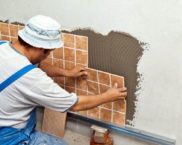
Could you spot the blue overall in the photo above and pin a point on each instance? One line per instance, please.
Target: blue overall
(27, 135)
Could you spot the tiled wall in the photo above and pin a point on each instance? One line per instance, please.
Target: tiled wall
(75, 52)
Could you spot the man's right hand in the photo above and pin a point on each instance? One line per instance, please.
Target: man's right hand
(115, 93)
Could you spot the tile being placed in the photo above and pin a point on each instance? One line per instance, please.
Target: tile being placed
(105, 114)
(81, 57)
(68, 40)
(58, 53)
(69, 54)
(92, 75)
(81, 42)
(13, 30)
(104, 78)
(4, 28)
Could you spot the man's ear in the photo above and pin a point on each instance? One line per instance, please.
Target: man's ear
(45, 51)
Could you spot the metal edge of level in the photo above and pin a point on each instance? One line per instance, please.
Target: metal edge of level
(128, 131)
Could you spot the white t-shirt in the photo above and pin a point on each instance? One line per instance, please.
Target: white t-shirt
(33, 89)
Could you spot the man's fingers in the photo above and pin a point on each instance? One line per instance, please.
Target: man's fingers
(122, 89)
(123, 95)
(115, 85)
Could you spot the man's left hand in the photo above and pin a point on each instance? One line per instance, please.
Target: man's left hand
(77, 71)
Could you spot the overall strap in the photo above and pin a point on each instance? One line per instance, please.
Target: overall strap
(2, 42)
(16, 76)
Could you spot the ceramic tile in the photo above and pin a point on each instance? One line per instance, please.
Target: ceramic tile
(5, 38)
(4, 28)
(58, 63)
(104, 78)
(92, 74)
(81, 42)
(81, 84)
(104, 88)
(70, 81)
(81, 57)
(47, 61)
(84, 113)
(93, 113)
(117, 79)
(69, 54)
(93, 87)
(58, 53)
(120, 106)
(118, 118)
(13, 30)
(105, 115)
(14, 39)
(69, 65)
(68, 40)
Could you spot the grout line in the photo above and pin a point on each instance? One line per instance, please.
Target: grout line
(112, 103)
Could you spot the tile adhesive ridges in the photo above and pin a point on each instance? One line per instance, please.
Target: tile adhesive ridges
(117, 53)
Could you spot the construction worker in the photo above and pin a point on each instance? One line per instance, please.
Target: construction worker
(26, 84)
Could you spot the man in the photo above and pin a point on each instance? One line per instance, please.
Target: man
(24, 87)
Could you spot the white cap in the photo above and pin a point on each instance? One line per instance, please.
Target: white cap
(42, 32)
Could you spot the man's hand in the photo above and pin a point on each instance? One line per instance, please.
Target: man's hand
(115, 93)
(77, 71)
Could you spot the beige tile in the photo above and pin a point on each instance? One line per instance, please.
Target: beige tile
(93, 113)
(81, 84)
(82, 57)
(58, 63)
(93, 87)
(105, 115)
(104, 78)
(83, 113)
(5, 38)
(69, 65)
(58, 53)
(70, 81)
(118, 118)
(120, 106)
(14, 39)
(13, 30)
(82, 42)
(92, 75)
(69, 54)
(103, 88)
(117, 79)
(4, 28)
(68, 40)
(47, 61)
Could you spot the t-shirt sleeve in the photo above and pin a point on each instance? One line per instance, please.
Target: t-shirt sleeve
(42, 90)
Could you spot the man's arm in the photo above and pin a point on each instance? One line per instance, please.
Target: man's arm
(91, 101)
(54, 71)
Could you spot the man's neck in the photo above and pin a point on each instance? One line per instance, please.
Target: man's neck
(22, 49)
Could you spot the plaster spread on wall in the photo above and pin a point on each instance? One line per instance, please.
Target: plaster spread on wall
(116, 53)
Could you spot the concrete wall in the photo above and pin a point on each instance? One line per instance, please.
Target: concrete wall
(158, 23)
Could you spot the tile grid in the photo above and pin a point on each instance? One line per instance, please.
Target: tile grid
(9, 32)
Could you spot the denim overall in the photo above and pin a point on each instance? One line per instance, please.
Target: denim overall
(27, 135)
